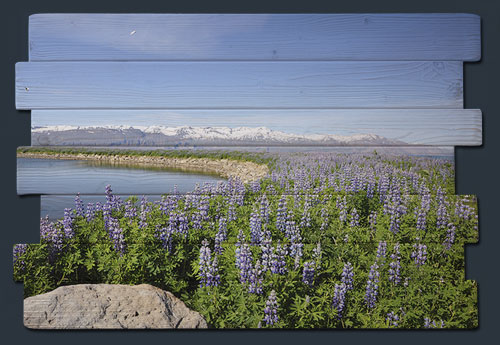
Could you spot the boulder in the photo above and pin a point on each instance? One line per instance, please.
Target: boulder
(109, 306)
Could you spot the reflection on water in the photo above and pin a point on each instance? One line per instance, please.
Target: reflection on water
(52, 176)
(148, 167)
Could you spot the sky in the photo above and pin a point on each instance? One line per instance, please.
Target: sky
(241, 84)
(411, 126)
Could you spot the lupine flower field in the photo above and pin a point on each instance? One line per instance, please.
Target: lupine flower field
(327, 240)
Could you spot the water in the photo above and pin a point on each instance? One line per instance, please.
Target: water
(52, 176)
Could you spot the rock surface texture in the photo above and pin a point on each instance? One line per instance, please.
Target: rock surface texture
(109, 306)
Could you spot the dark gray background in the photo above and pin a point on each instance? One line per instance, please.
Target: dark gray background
(476, 169)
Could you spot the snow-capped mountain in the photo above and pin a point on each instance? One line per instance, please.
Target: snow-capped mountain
(187, 135)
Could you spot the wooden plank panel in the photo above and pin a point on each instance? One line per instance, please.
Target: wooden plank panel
(243, 127)
(339, 84)
(465, 222)
(254, 37)
(59, 170)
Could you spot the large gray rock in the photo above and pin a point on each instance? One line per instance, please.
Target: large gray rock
(109, 306)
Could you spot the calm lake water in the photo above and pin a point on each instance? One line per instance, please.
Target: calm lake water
(52, 176)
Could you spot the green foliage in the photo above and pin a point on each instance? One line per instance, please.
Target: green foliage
(436, 290)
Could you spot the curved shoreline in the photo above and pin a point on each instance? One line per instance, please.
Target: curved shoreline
(243, 170)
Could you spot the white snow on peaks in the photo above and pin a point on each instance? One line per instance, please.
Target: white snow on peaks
(260, 134)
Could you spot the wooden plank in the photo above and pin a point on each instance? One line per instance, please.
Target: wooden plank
(156, 85)
(63, 37)
(56, 170)
(243, 127)
(465, 222)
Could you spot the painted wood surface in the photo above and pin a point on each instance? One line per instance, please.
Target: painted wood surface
(52, 206)
(124, 37)
(332, 127)
(83, 172)
(93, 85)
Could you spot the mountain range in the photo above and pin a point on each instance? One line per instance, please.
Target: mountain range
(187, 135)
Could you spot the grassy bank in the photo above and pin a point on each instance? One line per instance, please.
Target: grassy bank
(254, 157)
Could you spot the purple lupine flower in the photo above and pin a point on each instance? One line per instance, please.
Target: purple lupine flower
(317, 255)
(172, 223)
(278, 263)
(69, 232)
(442, 212)
(450, 236)
(106, 214)
(255, 228)
(354, 218)
(115, 233)
(240, 238)
(342, 206)
(370, 186)
(231, 209)
(308, 273)
(53, 235)
(255, 186)
(208, 268)
(339, 298)
(90, 212)
(419, 254)
(182, 224)
(394, 210)
(18, 251)
(130, 211)
(340, 292)
(196, 219)
(292, 232)
(305, 220)
(395, 266)
(221, 235)
(281, 214)
(145, 209)
(462, 210)
(109, 193)
(255, 279)
(244, 262)
(266, 255)
(168, 204)
(347, 276)
(381, 252)
(204, 207)
(324, 219)
(372, 286)
(165, 236)
(112, 201)
(264, 209)
(421, 213)
(78, 206)
(432, 324)
(372, 220)
(393, 319)
(271, 309)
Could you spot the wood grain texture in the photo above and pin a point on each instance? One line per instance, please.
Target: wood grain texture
(453, 127)
(339, 84)
(52, 176)
(123, 37)
(129, 175)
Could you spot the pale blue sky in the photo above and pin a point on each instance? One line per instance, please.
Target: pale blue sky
(415, 126)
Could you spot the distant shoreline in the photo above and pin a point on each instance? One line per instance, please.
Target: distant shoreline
(246, 171)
